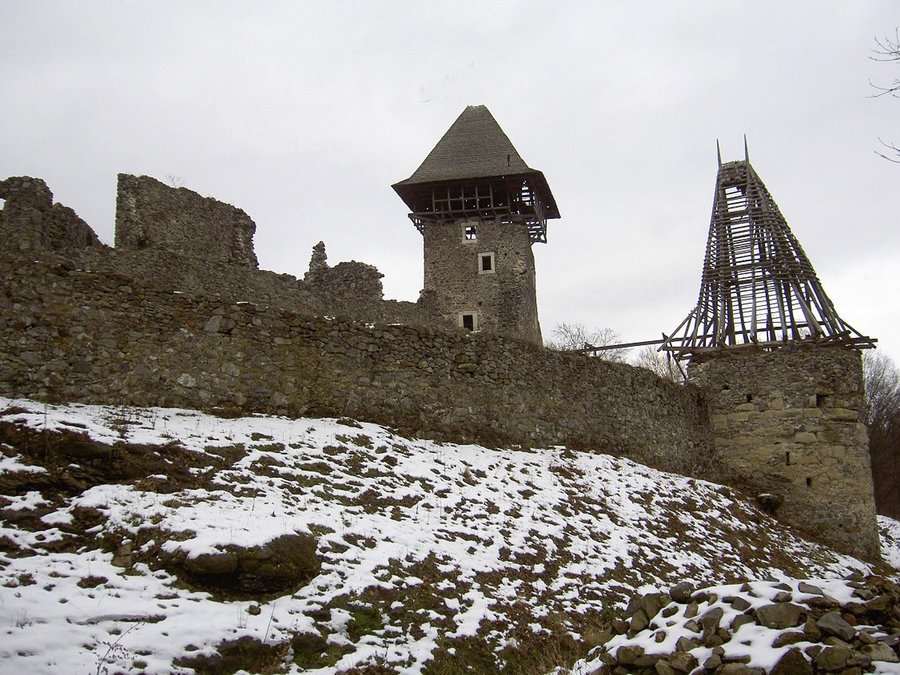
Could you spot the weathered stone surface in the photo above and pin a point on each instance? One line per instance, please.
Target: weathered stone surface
(778, 434)
(150, 214)
(832, 624)
(502, 300)
(789, 638)
(879, 651)
(805, 587)
(682, 592)
(710, 621)
(780, 615)
(792, 663)
(29, 220)
(628, 654)
(833, 658)
(683, 662)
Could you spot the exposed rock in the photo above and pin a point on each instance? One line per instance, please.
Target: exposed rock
(805, 587)
(833, 624)
(833, 658)
(683, 662)
(880, 652)
(780, 615)
(681, 592)
(792, 663)
(710, 621)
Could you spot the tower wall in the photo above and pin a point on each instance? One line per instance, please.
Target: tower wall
(502, 300)
(789, 424)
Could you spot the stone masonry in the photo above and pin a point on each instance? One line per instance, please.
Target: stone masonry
(502, 300)
(150, 214)
(787, 426)
(29, 220)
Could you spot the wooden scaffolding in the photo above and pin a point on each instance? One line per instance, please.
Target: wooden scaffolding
(758, 287)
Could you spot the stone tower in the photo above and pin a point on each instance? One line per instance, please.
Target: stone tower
(480, 207)
(782, 371)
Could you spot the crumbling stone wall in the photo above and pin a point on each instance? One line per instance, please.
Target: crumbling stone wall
(29, 220)
(71, 334)
(352, 287)
(503, 300)
(788, 424)
(152, 215)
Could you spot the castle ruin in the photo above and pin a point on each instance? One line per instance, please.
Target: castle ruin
(160, 321)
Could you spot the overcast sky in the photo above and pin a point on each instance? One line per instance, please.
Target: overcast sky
(304, 113)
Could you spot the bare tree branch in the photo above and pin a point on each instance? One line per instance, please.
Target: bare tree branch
(572, 336)
(887, 50)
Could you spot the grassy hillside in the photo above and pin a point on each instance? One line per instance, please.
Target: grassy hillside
(152, 540)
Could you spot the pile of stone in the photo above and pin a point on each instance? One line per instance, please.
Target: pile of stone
(789, 627)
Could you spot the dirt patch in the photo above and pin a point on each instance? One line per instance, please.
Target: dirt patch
(74, 463)
(246, 653)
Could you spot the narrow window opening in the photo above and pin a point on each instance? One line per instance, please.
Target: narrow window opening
(749, 398)
(485, 263)
(823, 400)
(2, 203)
(808, 481)
(470, 233)
(468, 322)
(787, 458)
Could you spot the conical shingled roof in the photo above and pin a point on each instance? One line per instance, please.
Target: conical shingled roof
(475, 147)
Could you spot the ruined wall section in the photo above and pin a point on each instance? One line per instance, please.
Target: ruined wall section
(71, 334)
(152, 215)
(29, 220)
(788, 424)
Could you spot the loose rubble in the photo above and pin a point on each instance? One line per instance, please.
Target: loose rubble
(787, 627)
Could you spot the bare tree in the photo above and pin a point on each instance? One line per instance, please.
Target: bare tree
(658, 362)
(572, 336)
(882, 384)
(887, 50)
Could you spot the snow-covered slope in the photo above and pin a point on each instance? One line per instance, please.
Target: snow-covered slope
(429, 553)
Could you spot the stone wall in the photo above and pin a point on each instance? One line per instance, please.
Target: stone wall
(180, 316)
(788, 424)
(71, 334)
(503, 299)
(29, 219)
(152, 215)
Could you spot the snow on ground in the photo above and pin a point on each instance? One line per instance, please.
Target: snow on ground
(423, 544)
(750, 640)
(890, 540)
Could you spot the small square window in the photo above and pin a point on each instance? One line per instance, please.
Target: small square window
(485, 263)
(467, 321)
(470, 233)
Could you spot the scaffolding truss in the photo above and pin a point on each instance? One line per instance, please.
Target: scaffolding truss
(758, 287)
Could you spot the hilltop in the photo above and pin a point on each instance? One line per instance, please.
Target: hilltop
(164, 540)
